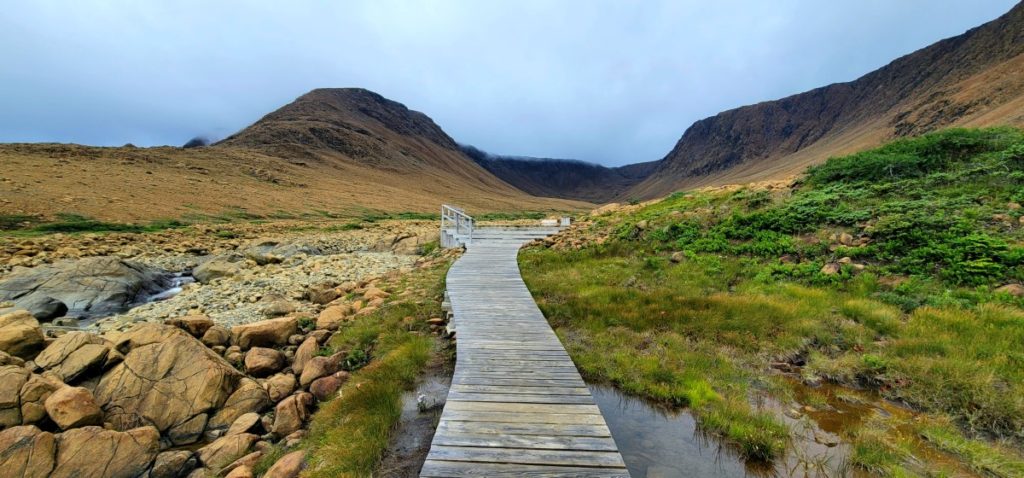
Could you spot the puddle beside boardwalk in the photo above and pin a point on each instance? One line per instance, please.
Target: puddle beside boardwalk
(411, 441)
(656, 442)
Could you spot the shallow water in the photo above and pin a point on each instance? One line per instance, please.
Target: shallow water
(411, 441)
(178, 282)
(657, 442)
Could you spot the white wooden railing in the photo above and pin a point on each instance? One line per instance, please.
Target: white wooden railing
(456, 227)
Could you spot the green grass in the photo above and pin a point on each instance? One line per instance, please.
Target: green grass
(935, 225)
(74, 223)
(979, 456)
(14, 222)
(386, 351)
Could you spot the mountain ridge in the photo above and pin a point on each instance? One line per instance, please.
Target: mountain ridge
(968, 79)
(561, 178)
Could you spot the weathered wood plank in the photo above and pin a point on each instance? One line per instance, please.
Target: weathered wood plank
(457, 405)
(439, 468)
(550, 442)
(519, 398)
(506, 428)
(527, 456)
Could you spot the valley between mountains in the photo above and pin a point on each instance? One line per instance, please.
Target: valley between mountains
(827, 284)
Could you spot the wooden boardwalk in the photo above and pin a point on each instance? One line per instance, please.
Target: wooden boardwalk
(517, 405)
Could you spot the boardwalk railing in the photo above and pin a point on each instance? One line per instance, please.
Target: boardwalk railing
(456, 227)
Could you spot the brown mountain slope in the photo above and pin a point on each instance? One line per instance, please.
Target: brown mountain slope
(974, 79)
(342, 151)
(562, 178)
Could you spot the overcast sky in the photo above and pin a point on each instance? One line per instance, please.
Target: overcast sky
(606, 81)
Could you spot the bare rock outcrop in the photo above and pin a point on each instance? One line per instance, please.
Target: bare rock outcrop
(27, 452)
(173, 464)
(265, 333)
(73, 407)
(169, 380)
(86, 287)
(291, 413)
(94, 451)
(20, 334)
(225, 450)
(12, 379)
(248, 397)
(73, 354)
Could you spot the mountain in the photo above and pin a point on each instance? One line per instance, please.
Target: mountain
(974, 79)
(562, 178)
(342, 151)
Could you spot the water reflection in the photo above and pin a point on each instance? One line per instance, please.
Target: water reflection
(656, 442)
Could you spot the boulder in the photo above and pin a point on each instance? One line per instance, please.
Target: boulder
(271, 251)
(832, 268)
(202, 473)
(677, 257)
(94, 451)
(216, 268)
(27, 452)
(173, 464)
(73, 407)
(197, 325)
(322, 293)
(291, 413)
(265, 333)
(288, 466)
(306, 351)
(216, 335)
(34, 394)
(73, 354)
(225, 450)
(241, 471)
(12, 379)
(249, 397)
(88, 287)
(244, 424)
(169, 380)
(248, 461)
(260, 361)
(375, 293)
(279, 307)
(8, 359)
(324, 388)
(332, 316)
(321, 336)
(20, 334)
(280, 386)
(318, 367)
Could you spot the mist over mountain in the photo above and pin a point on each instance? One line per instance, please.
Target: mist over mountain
(561, 178)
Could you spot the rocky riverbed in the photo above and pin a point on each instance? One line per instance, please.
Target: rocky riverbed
(244, 272)
(205, 383)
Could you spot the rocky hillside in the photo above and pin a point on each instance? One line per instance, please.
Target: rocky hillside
(562, 178)
(336, 151)
(974, 79)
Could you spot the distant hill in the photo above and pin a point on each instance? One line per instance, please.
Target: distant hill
(974, 79)
(562, 178)
(338, 151)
